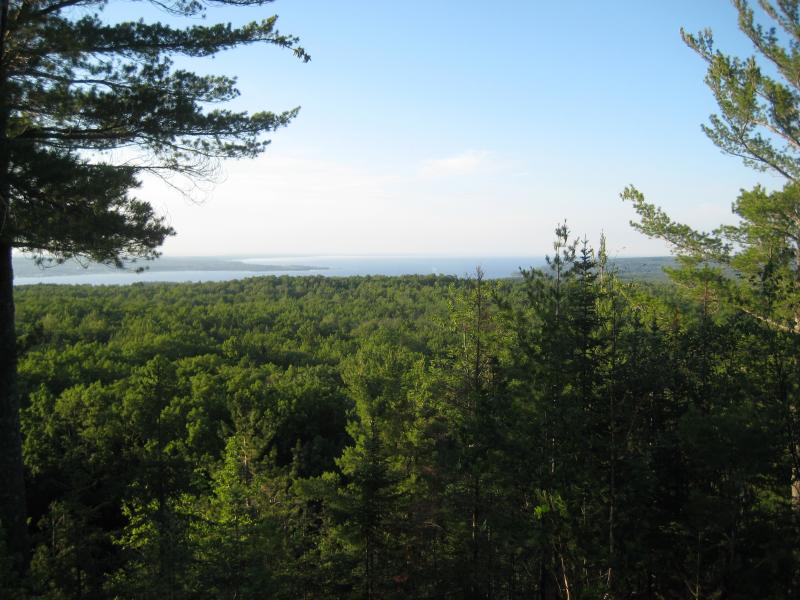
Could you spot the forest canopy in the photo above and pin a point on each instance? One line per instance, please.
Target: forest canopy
(562, 434)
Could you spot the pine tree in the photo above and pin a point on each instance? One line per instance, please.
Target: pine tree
(479, 416)
(72, 89)
(759, 120)
(237, 543)
(157, 506)
(364, 541)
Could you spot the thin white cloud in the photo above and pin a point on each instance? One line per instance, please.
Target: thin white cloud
(460, 164)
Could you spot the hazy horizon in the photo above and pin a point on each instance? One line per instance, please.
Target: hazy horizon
(223, 268)
(305, 255)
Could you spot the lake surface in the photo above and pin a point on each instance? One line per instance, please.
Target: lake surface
(195, 269)
(342, 266)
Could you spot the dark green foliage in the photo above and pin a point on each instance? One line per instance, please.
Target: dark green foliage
(568, 434)
(753, 267)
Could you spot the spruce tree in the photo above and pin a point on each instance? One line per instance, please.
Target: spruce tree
(73, 88)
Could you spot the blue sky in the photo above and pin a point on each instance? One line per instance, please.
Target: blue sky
(465, 128)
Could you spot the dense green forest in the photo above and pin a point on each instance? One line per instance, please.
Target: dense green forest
(566, 435)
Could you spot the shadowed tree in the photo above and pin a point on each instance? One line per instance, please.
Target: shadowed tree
(758, 120)
(72, 89)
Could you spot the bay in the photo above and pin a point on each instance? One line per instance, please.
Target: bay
(220, 268)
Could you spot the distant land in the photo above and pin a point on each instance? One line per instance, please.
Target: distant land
(222, 268)
(26, 267)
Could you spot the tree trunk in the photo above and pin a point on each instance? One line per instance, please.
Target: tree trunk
(12, 490)
(12, 486)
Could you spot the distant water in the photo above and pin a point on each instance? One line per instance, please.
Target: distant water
(127, 277)
(343, 266)
(195, 269)
(213, 269)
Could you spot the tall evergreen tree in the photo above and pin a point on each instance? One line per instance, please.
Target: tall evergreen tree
(759, 120)
(156, 532)
(479, 417)
(72, 89)
(367, 532)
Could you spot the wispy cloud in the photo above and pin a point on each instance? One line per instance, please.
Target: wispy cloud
(460, 164)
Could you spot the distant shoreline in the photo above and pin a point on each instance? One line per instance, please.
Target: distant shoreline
(25, 267)
(200, 269)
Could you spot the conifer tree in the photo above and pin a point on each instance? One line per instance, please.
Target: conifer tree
(479, 419)
(155, 536)
(759, 120)
(237, 546)
(366, 525)
(73, 88)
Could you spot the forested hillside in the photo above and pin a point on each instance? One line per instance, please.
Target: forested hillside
(567, 435)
